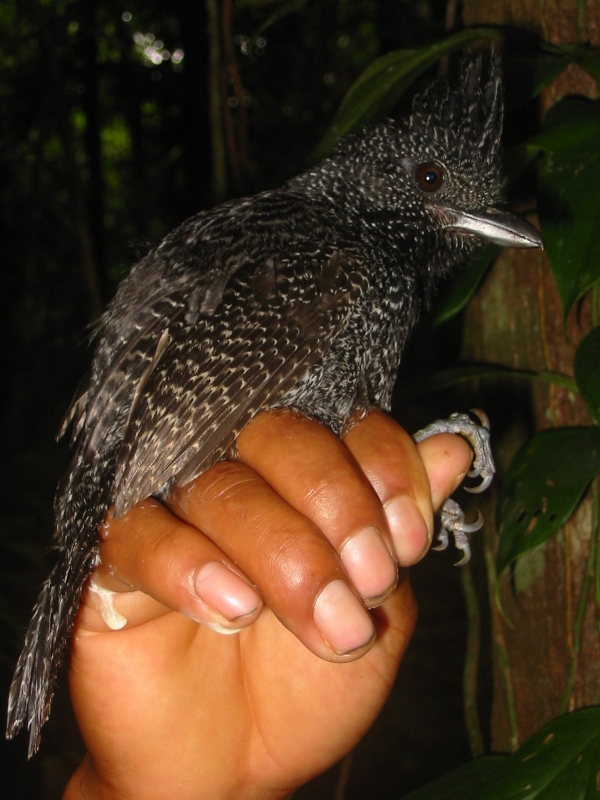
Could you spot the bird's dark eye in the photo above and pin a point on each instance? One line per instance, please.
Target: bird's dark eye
(429, 176)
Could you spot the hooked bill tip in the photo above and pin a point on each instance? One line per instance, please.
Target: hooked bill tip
(499, 227)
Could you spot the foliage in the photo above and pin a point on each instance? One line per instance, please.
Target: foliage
(559, 761)
(568, 148)
(587, 359)
(545, 483)
(379, 87)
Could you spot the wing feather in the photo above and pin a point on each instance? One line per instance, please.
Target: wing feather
(215, 375)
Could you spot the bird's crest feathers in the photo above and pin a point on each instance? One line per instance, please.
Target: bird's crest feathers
(471, 111)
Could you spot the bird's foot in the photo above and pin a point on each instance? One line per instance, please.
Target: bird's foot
(478, 436)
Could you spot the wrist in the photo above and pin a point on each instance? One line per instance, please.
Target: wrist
(84, 785)
(78, 787)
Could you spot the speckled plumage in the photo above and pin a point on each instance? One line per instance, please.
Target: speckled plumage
(303, 297)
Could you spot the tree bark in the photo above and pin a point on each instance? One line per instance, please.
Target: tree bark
(517, 320)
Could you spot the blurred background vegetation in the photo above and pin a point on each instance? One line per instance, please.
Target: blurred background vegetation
(119, 120)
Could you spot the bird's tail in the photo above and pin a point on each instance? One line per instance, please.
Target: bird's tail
(80, 508)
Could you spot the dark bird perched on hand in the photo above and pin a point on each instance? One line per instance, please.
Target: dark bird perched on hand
(301, 297)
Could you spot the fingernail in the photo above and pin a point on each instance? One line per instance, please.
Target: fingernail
(408, 528)
(369, 565)
(225, 592)
(341, 618)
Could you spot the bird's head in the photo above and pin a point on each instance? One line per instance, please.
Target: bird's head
(436, 177)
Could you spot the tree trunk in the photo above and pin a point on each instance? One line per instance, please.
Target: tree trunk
(516, 320)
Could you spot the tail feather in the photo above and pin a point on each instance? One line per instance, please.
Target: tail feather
(48, 633)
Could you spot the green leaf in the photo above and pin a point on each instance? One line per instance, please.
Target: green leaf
(528, 74)
(517, 161)
(283, 11)
(545, 481)
(380, 86)
(560, 761)
(587, 372)
(590, 61)
(461, 782)
(569, 195)
(460, 291)
(412, 389)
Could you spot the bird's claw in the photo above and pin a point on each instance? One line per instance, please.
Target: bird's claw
(442, 539)
(478, 436)
(466, 548)
(482, 486)
(453, 521)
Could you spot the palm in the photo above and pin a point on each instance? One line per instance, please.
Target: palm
(260, 708)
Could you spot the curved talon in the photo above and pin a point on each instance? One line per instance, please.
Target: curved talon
(442, 539)
(474, 473)
(485, 420)
(482, 486)
(462, 543)
(473, 526)
(466, 557)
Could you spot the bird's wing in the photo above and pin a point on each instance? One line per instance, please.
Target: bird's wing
(131, 340)
(183, 278)
(274, 321)
(99, 412)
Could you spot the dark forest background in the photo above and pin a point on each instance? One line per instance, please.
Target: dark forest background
(118, 120)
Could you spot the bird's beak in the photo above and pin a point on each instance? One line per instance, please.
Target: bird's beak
(500, 227)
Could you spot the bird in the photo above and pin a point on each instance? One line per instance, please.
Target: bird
(300, 297)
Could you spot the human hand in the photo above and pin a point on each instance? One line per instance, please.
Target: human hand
(170, 708)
